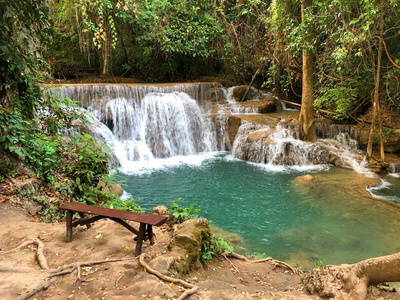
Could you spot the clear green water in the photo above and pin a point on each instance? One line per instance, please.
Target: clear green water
(270, 212)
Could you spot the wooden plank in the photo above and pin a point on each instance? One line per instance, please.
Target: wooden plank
(155, 220)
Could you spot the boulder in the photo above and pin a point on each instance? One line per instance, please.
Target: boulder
(162, 264)
(113, 187)
(268, 105)
(240, 91)
(162, 211)
(187, 244)
(307, 179)
(149, 287)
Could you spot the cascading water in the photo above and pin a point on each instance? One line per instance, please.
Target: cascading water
(148, 122)
(276, 146)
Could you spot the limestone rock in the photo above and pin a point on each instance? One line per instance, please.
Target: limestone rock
(187, 244)
(268, 105)
(240, 91)
(307, 179)
(114, 187)
(150, 286)
(162, 264)
(162, 211)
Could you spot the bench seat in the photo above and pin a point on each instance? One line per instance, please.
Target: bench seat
(146, 220)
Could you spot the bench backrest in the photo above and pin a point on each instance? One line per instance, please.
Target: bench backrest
(155, 220)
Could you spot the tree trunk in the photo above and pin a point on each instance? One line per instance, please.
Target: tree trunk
(107, 51)
(306, 118)
(351, 281)
(376, 106)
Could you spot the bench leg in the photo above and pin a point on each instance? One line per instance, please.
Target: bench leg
(69, 225)
(150, 234)
(140, 238)
(82, 215)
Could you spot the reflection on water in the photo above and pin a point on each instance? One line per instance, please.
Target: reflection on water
(334, 220)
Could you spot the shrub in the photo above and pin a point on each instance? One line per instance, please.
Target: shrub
(182, 214)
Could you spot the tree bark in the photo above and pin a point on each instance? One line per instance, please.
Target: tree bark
(306, 118)
(107, 50)
(375, 101)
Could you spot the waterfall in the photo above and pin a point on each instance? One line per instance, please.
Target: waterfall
(149, 122)
(276, 146)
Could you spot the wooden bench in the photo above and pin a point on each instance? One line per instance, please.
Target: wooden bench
(146, 220)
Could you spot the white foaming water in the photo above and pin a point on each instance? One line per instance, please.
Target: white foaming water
(277, 146)
(159, 126)
(384, 184)
(156, 127)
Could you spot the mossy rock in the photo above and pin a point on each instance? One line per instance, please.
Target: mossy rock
(188, 242)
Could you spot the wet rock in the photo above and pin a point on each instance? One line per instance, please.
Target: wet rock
(307, 179)
(240, 91)
(187, 243)
(215, 95)
(162, 211)
(267, 105)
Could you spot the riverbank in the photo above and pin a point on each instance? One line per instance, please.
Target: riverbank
(222, 278)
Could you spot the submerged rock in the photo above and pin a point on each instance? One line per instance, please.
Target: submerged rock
(307, 179)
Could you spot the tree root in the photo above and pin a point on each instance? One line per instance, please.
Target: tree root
(188, 293)
(36, 289)
(232, 264)
(235, 255)
(39, 253)
(270, 259)
(276, 262)
(193, 288)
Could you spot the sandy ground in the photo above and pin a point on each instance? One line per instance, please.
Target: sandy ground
(220, 279)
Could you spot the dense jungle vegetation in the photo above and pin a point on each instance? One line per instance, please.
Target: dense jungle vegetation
(340, 56)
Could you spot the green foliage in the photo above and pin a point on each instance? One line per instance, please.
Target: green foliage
(320, 263)
(182, 214)
(124, 204)
(215, 246)
(50, 212)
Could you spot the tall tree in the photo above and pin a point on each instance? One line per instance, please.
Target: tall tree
(99, 17)
(306, 118)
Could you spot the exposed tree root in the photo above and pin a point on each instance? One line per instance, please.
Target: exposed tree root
(235, 255)
(193, 288)
(351, 281)
(190, 292)
(36, 289)
(276, 262)
(270, 259)
(39, 253)
(232, 264)
(50, 279)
